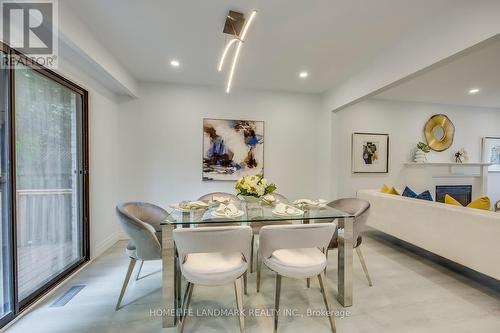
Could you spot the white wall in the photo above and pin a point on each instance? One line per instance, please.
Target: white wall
(404, 122)
(104, 161)
(161, 140)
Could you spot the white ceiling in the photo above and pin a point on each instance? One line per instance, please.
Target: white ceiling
(449, 83)
(331, 39)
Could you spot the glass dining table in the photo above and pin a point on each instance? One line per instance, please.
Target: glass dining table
(255, 214)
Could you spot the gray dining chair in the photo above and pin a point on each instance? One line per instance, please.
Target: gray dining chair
(359, 209)
(141, 222)
(213, 256)
(293, 251)
(258, 225)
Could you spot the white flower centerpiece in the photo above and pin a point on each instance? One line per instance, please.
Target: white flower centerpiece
(252, 188)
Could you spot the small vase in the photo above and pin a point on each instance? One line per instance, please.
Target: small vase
(420, 156)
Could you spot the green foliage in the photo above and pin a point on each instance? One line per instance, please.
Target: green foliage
(423, 147)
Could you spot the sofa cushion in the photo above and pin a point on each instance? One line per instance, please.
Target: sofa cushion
(389, 190)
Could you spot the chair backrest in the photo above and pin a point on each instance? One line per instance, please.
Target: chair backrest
(213, 239)
(295, 236)
(142, 235)
(357, 207)
(147, 212)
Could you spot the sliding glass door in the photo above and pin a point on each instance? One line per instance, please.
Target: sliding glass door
(48, 187)
(6, 268)
(44, 227)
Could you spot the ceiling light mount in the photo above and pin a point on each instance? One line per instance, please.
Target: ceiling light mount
(234, 23)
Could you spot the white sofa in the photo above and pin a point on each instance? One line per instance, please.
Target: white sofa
(469, 237)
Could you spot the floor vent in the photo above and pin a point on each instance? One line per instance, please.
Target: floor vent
(67, 296)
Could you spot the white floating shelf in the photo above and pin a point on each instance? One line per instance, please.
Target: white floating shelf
(446, 164)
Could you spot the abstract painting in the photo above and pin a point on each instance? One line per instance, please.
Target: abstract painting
(232, 149)
(370, 153)
(491, 153)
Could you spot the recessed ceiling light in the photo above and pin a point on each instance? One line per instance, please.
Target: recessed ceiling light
(303, 74)
(474, 91)
(174, 63)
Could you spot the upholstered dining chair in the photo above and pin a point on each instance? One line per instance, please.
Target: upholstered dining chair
(359, 209)
(213, 256)
(293, 251)
(258, 225)
(141, 222)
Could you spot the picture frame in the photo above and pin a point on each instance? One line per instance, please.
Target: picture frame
(491, 153)
(370, 153)
(242, 142)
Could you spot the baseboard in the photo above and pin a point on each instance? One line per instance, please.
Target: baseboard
(107, 243)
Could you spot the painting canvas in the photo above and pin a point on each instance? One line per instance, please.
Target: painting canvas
(232, 149)
(370, 153)
(491, 153)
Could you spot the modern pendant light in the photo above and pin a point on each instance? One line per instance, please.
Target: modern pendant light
(237, 27)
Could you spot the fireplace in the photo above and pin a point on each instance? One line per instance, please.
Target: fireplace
(461, 193)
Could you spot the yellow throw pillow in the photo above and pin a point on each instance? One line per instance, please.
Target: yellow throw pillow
(483, 203)
(448, 199)
(389, 190)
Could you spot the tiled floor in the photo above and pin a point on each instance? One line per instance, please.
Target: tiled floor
(410, 294)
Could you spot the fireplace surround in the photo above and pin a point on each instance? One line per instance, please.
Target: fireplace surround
(461, 193)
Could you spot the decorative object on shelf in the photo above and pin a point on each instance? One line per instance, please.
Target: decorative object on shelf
(252, 188)
(491, 153)
(461, 156)
(236, 27)
(232, 149)
(370, 153)
(421, 152)
(497, 207)
(439, 132)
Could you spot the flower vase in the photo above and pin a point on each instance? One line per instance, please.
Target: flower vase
(251, 201)
(420, 156)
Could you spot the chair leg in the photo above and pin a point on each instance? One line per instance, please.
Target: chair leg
(259, 267)
(323, 292)
(277, 302)
(308, 282)
(185, 306)
(131, 266)
(245, 283)
(251, 254)
(139, 270)
(239, 303)
(326, 255)
(363, 264)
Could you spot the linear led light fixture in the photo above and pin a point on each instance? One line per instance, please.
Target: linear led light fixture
(234, 21)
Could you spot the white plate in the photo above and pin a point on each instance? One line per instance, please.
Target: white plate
(239, 214)
(185, 210)
(299, 212)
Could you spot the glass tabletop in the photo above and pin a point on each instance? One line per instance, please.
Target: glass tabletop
(253, 213)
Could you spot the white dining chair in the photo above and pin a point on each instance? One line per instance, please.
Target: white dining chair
(359, 209)
(256, 226)
(293, 251)
(141, 222)
(213, 256)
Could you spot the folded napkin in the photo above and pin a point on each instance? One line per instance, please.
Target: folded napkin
(310, 203)
(224, 200)
(193, 204)
(227, 210)
(285, 209)
(269, 198)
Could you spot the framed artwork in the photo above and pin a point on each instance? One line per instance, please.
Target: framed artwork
(370, 153)
(232, 149)
(491, 153)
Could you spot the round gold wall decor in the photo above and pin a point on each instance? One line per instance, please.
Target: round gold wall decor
(439, 132)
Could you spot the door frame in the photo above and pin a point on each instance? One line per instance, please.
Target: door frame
(19, 306)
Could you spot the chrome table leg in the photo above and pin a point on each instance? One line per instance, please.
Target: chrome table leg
(169, 298)
(345, 262)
